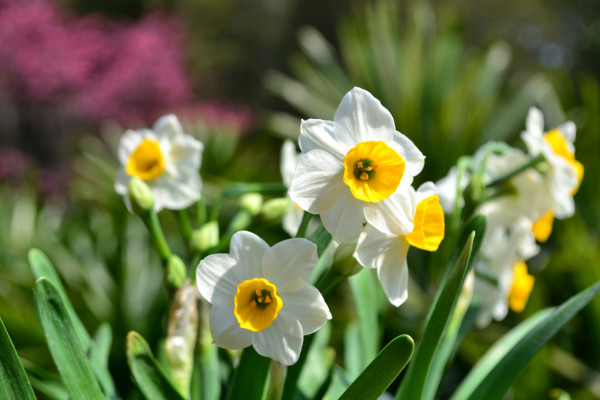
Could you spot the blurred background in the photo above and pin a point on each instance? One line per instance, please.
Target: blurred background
(74, 74)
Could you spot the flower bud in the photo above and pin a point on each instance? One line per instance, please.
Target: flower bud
(344, 261)
(205, 237)
(475, 190)
(140, 195)
(176, 273)
(252, 202)
(274, 209)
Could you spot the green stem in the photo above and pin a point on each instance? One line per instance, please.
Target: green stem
(186, 225)
(250, 377)
(306, 217)
(201, 211)
(530, 164)
(151, 221)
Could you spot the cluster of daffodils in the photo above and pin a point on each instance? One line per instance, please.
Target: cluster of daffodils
(356, 172)
(524, 193)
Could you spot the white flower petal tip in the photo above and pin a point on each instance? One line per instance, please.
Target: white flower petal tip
(166, 159)
(260, 295)
(352, 167)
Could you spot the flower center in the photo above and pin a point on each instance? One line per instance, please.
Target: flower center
(521, 287)
(428, 223)
(560, 147)
(373, 171)
(543, 227)
(146, 161)
(256, 304)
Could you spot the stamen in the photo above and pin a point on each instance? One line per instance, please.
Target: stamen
(258, 292)
(268, 299)
(359, 164)
(253, 303)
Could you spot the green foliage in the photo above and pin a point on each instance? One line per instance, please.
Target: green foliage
(251, 378)
(14, 384)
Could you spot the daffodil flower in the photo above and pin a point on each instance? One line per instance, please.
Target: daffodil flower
(356, 168)
(387, 252)
(564, 173)
(260, 296)
(166, 159)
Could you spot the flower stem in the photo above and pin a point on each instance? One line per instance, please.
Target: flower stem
(530, 164)
(151, 221)
(186, 225)
(304, 224)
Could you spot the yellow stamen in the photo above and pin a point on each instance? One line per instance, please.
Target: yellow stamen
(373, 171)
(543, 227)
(521, 287)
(428, 222)
(146, 161)
(562, 148)
(256, 304)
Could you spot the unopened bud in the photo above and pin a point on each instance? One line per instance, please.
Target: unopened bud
(344, 261)
(176, 273)
(205, 237)
(475, 190)
(252, 202)
(274, 209)
(140, 195)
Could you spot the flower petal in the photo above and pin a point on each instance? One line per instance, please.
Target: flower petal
(186, 151)
(395, 214)
(308, 306)
(321, 134)
(249, 249)
(414, 159)
(535, 122)
(225, 329)
(176, 191)
(130, 141)
(217, 278)
(289, 160)
(318, 182)
(361, 117)
(289, 263)
(281, 341)
(345, 219)
(167, 127)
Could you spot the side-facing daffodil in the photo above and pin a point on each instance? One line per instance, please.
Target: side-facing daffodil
(166, 159)
(387, 252)
(260, 296)
(356, 168)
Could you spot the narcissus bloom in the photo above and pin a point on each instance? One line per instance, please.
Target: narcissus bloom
(166, 159)
(356, 168)
(387, 252)
(564, 172)
(260, 296)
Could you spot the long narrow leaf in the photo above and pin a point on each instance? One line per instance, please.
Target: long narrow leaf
(415, 379)
(382, 371)
(13, 380)
(491, 378)
(147, 372)
(251, 376)
(64, 345)
(99, 353)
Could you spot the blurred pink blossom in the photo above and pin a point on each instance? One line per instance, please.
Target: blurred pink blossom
(220, 116)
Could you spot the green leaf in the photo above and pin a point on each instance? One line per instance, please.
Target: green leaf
(415, 379)
(99, 353)
(13, 380)
(63, 342)
(492, 376)
(250, 379)
(147, 372)
(382, 371)
(45, 382)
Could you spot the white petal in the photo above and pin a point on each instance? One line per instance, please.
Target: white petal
(281, 341)
(289, 160)
(345, 219)
(426, 190)
(394, 280)
(122, 182)
(167, 128)
(292, 219)
(308, 306)
(289, 263)
(395, 214)
(130, 141)
(226, 331)
(186, 151)
(568, 130)
(414, 159)
(535, 122)
(176, 192)
(361, 117)
(249, 249)
(218, 278)
(318, 182)
(320, 134)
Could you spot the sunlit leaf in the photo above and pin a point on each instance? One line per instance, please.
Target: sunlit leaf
(13, 380)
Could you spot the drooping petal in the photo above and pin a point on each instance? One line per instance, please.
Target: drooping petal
(249, 249)
(414, 159)
(320, 134)
(318, 182)
(282, 341)
(288, 264)
(217, 279)
(309, 307)
(345, 219)
(225, 329)
(395, 214)
(361, 117)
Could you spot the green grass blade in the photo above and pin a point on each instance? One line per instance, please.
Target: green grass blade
(99, 353)
(63, 342)
(415, 379)
(491, 378)
(147, 372)
(251, 377)
(382, 371)
(13, 380)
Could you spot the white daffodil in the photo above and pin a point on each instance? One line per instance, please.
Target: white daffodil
(564, 172)
(356, 168)
(166, 159)
(387, 252)
(260, 296)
